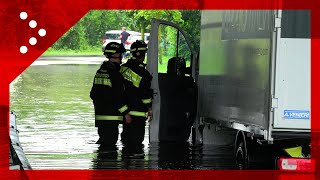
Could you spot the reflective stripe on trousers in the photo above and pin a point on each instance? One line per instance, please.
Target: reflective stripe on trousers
(106, 117)
(138, 113)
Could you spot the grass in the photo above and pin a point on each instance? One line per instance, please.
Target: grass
(96, 51)
(69, 52)
(162, 68)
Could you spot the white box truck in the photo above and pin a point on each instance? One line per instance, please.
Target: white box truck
(250, 80)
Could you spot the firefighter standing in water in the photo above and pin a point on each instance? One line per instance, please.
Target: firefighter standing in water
(108, 97)
(139, 95)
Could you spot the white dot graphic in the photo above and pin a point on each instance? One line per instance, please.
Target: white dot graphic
(23, 49)
(42, 32)
(23, 15)
(33, 41)
(33, 24)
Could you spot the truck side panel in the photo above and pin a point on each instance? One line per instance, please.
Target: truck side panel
(234, 69)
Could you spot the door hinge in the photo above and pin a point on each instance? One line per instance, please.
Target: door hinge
(277, 22)
(274, 103)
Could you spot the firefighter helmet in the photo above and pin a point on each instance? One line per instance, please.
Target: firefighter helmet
(113, 48)
(138, 47)
(176, 66)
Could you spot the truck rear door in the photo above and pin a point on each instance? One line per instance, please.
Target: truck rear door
(292, 74)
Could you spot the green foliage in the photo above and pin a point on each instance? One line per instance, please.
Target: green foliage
(89, 31)
(191, 26)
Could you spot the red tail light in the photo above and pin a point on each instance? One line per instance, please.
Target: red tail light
(296, 164)
(128, 43)
(103, 41)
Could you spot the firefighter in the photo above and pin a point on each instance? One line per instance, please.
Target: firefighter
(139, 95)
(108, 97)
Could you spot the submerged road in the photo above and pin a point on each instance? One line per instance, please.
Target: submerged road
(55, 119)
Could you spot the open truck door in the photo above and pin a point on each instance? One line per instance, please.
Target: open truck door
(292, 80)
(171, 61)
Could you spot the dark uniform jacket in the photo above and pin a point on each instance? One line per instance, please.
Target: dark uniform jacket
(138, 87)
(107, 94)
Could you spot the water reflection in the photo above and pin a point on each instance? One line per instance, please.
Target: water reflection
(55, 118)
(175, 156)
(118, 159)
(106, 159)
(167, 156)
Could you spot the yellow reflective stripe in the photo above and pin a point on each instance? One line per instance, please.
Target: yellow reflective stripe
(294, 152)
(123, 68)
(146, 101)
(121, 110)
(131, 76)
(103, 117)
(142, 49)
(103, 81)
(110, 51)
(137, 113)
(139, 49)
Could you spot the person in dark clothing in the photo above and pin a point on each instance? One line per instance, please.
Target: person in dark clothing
(108, 97)
(139, 95)
(124, 36)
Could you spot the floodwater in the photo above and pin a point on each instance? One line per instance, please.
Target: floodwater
(55, 119)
